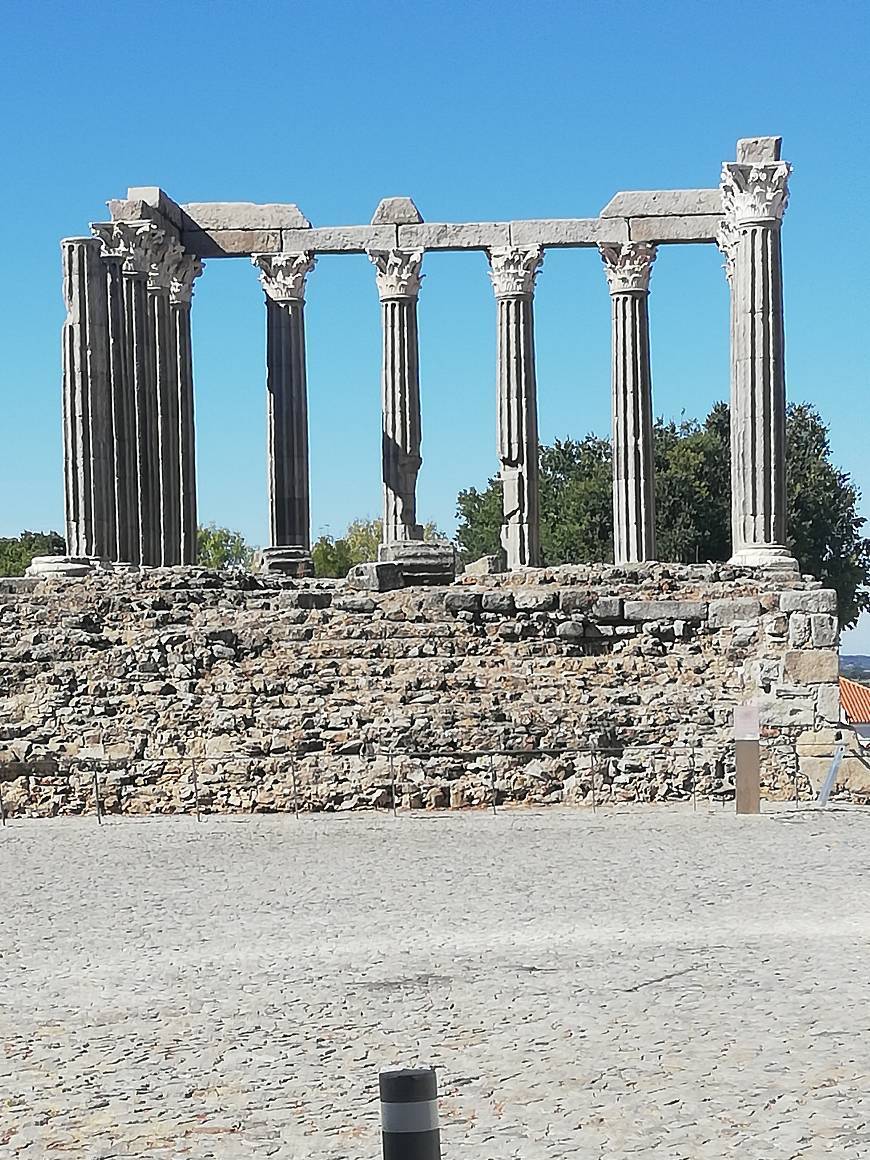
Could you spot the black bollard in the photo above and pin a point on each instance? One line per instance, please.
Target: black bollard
(409, 1114)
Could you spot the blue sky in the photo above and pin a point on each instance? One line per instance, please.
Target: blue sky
(477, 111)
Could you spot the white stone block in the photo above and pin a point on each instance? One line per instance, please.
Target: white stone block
(243, 215)
(454, 235)
(697, 228)
(397, 211)
(664, 203)
(341, 239)
(812, 666)
(231, 243)
(737, 610)
(824, 629)
(815, 600)
(758, 150)
(569, 232)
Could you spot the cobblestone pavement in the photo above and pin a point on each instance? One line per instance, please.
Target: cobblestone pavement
(646, 983)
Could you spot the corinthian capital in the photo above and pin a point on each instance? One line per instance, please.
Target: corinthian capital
(283, 276)
(629, 266)
(164, 262)
(136, 244)
(187, 269)
(397, 272)
(754, 194)
(513, 271)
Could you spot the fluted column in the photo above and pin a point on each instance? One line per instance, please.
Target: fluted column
(754, 197)
(398, 278)
(137, 246)
(282, 277)
(186, 271)
(167, 395)
(513, 273)
(123, 472)
(87, 415)
(628, 270)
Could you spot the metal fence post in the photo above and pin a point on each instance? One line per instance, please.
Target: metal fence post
(409, 1114)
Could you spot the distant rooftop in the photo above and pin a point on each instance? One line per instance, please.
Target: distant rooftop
(855, 700)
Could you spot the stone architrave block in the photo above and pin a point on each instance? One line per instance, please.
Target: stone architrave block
(529, 598)
(739, 610)
(569, 232)
(154, 196)
(375, 577)
(454, 236)
(397, 211)
(341, 239)
(758, 150)
(664, 203)
(698, 228)
(815, 600)
(607, 608)
(231, 243)
(824, 629)
(242, 215)
(137, 211)
(812, 666)
(665, 610)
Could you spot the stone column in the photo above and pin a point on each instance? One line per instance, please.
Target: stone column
(754, 196)
(137, 245)
(282, 277)
(398, 278)
(187, 269)
(167, 397)
(124, 478)
(628, 271)
(513, 273)
(87, 414)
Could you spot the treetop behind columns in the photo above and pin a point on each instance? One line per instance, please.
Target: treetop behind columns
(513, 270)
(628, 267)
(282, 276)
(397, 272)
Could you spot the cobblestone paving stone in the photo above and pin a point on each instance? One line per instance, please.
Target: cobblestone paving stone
(643, 983)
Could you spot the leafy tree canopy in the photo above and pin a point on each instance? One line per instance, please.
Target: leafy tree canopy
(693, 498)
(359, 544)
(16, 552)
(221, 548)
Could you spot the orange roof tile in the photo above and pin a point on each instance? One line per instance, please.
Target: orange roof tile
(855, 700)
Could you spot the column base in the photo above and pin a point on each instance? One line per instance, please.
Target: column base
(765, 556)
(419, 562)
(286, 560)
(63, 566)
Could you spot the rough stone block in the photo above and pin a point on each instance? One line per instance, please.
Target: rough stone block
(501, 601)
(723, 613)
(791, 713)
(824, 629)
(421, 562)
(828, 702)
(664, 203)
(812, 666)
(799, 629)
(573, 600)
(290, 561)
(692, 228)
(242, 215)
(571, 630)
(357, 604)
(486, 566)
(569, 232)
(341, 239)
(462, 601)
(231, 243)
(758, 150)
(154, 196)
(607, 608)
(454, 235)
(529, 598)
(397, 211)
(665, 610)
(375, 577)
(61, 566)
(816, 600)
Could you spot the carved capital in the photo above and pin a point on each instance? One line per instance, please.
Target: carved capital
(628, 267)
(397, 272)
(513, 271)
(187, 269)
(726, 240)
(283, 276)
(164, 262)
(137, 245)
(754, 194)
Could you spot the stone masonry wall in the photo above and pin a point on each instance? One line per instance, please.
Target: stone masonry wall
(270, 693)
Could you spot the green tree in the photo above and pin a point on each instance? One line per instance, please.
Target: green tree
(359, 544)
(221, 548)
(693, 489)
(16, 552)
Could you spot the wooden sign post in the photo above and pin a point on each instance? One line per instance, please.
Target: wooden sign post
(747, 762)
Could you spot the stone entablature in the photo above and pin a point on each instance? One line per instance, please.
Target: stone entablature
(128, 399)
(266, 681)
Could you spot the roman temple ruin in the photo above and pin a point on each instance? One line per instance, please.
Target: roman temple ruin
(128, 386)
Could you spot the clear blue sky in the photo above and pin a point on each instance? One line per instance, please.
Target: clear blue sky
(477, 111)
